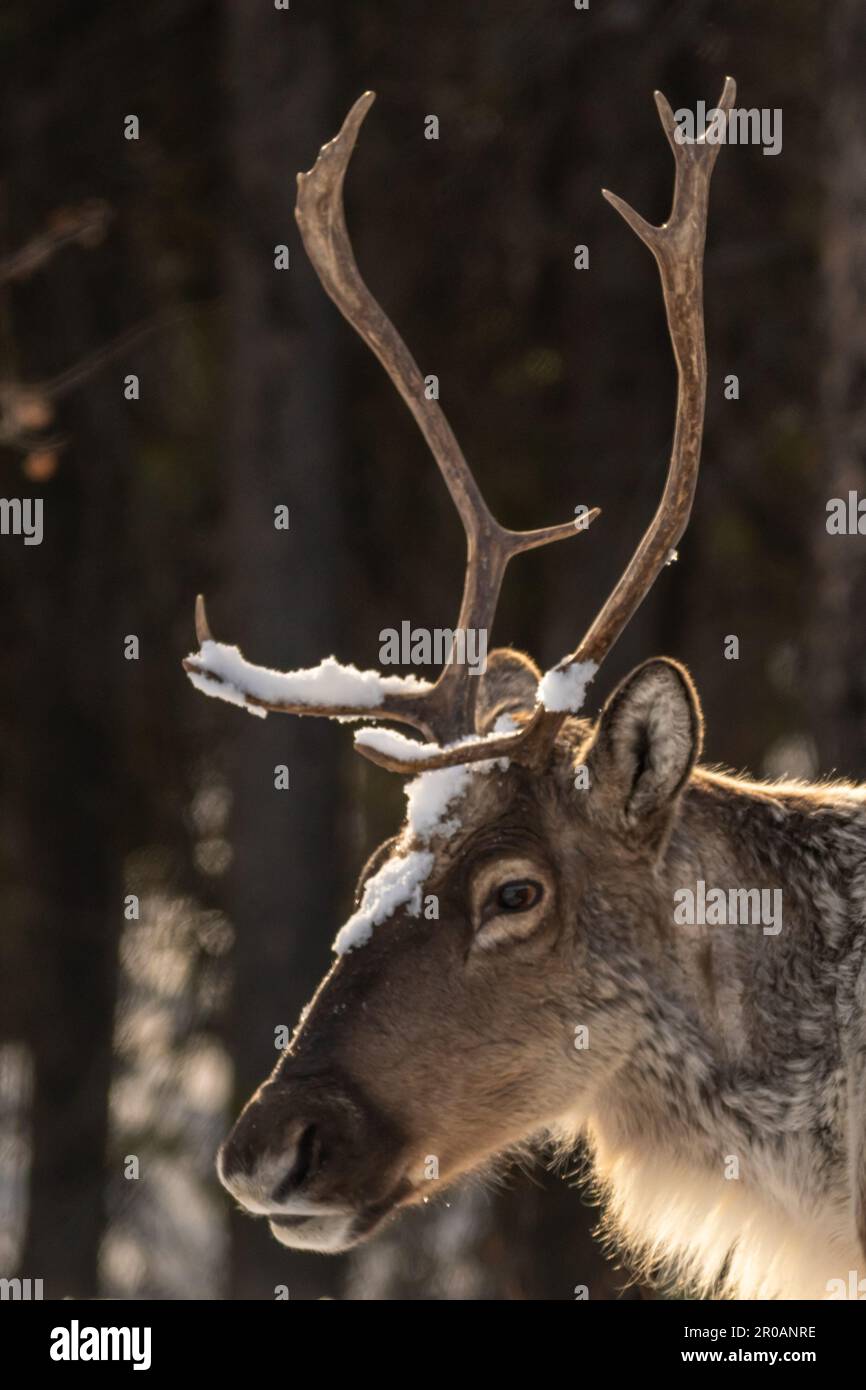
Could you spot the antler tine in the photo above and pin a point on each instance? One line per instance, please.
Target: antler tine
(320, 215)
(202, 626)
(446, 708)
(678, 247)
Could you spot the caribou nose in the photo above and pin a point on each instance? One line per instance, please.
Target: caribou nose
(291, 1144)
(309, 1141)
(289, 1157)
(302, 1162)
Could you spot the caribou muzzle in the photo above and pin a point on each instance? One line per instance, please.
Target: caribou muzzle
(316, 1159)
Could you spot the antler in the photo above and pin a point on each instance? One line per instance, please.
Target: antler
(446, 709)
(678, 247)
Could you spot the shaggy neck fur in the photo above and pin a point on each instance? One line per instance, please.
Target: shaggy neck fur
(730, 1147)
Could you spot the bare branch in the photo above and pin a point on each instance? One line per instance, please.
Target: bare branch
(84, 224)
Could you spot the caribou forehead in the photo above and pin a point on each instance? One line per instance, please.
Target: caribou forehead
(441, 806)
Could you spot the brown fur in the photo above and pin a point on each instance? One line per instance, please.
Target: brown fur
(442, 1043)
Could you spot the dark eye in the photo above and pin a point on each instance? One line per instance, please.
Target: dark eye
(518, 896)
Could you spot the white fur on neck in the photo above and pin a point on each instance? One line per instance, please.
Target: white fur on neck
(716, 1237)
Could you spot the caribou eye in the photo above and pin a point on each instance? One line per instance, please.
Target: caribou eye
(519, 895)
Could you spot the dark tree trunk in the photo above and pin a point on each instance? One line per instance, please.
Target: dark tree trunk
(69, 724)
(72, 717)
(284, 589)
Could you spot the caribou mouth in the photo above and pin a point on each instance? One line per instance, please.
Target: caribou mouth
(335, 1231)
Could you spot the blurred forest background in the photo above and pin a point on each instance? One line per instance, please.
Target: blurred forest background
(155, 257)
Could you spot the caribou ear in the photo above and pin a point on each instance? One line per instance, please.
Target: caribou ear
(508, 686)
(647, 742)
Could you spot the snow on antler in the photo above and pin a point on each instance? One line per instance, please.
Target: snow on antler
(222, 671)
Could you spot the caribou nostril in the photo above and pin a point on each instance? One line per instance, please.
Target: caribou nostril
(306, 1160)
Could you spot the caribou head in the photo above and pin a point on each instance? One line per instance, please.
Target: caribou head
(489, 935)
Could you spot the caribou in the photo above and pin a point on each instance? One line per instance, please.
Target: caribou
(514, 971)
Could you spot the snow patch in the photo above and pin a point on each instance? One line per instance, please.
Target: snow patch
(563, 689)
(223, 690)
(411, 750)
(429, 798)
(327, 686)
(397, 884)
(394, 745)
